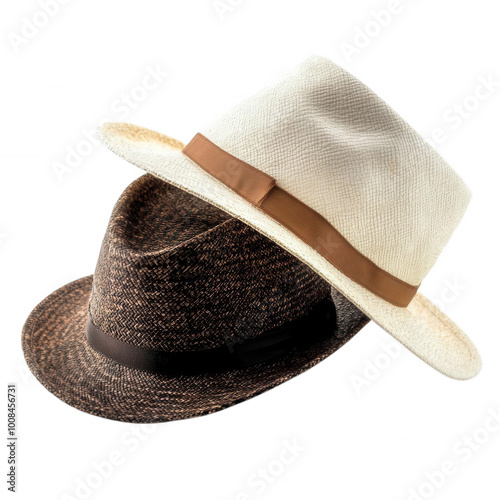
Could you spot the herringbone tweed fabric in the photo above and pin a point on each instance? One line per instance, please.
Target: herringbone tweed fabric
(171, 264)
(176, 274)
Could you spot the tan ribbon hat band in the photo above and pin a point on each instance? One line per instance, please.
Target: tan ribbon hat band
(261, 190)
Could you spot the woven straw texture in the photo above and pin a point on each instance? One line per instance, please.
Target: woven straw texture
(176, 274)
(345, 153)
(336, 146)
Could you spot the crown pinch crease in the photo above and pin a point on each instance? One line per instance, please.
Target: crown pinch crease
(261, 190)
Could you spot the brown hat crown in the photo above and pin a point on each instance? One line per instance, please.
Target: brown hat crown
(177, 274)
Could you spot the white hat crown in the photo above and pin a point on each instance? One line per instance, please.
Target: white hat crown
(335, 145)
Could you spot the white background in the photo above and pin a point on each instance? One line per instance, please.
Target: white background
(377, 442)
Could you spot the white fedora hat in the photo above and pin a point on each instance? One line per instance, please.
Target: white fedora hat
(326, 169)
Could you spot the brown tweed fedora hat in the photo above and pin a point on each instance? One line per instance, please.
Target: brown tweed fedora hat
(189, 311)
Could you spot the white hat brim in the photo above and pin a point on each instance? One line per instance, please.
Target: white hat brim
(421, 327)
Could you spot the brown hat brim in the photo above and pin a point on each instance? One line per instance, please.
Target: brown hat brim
(56, 350)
